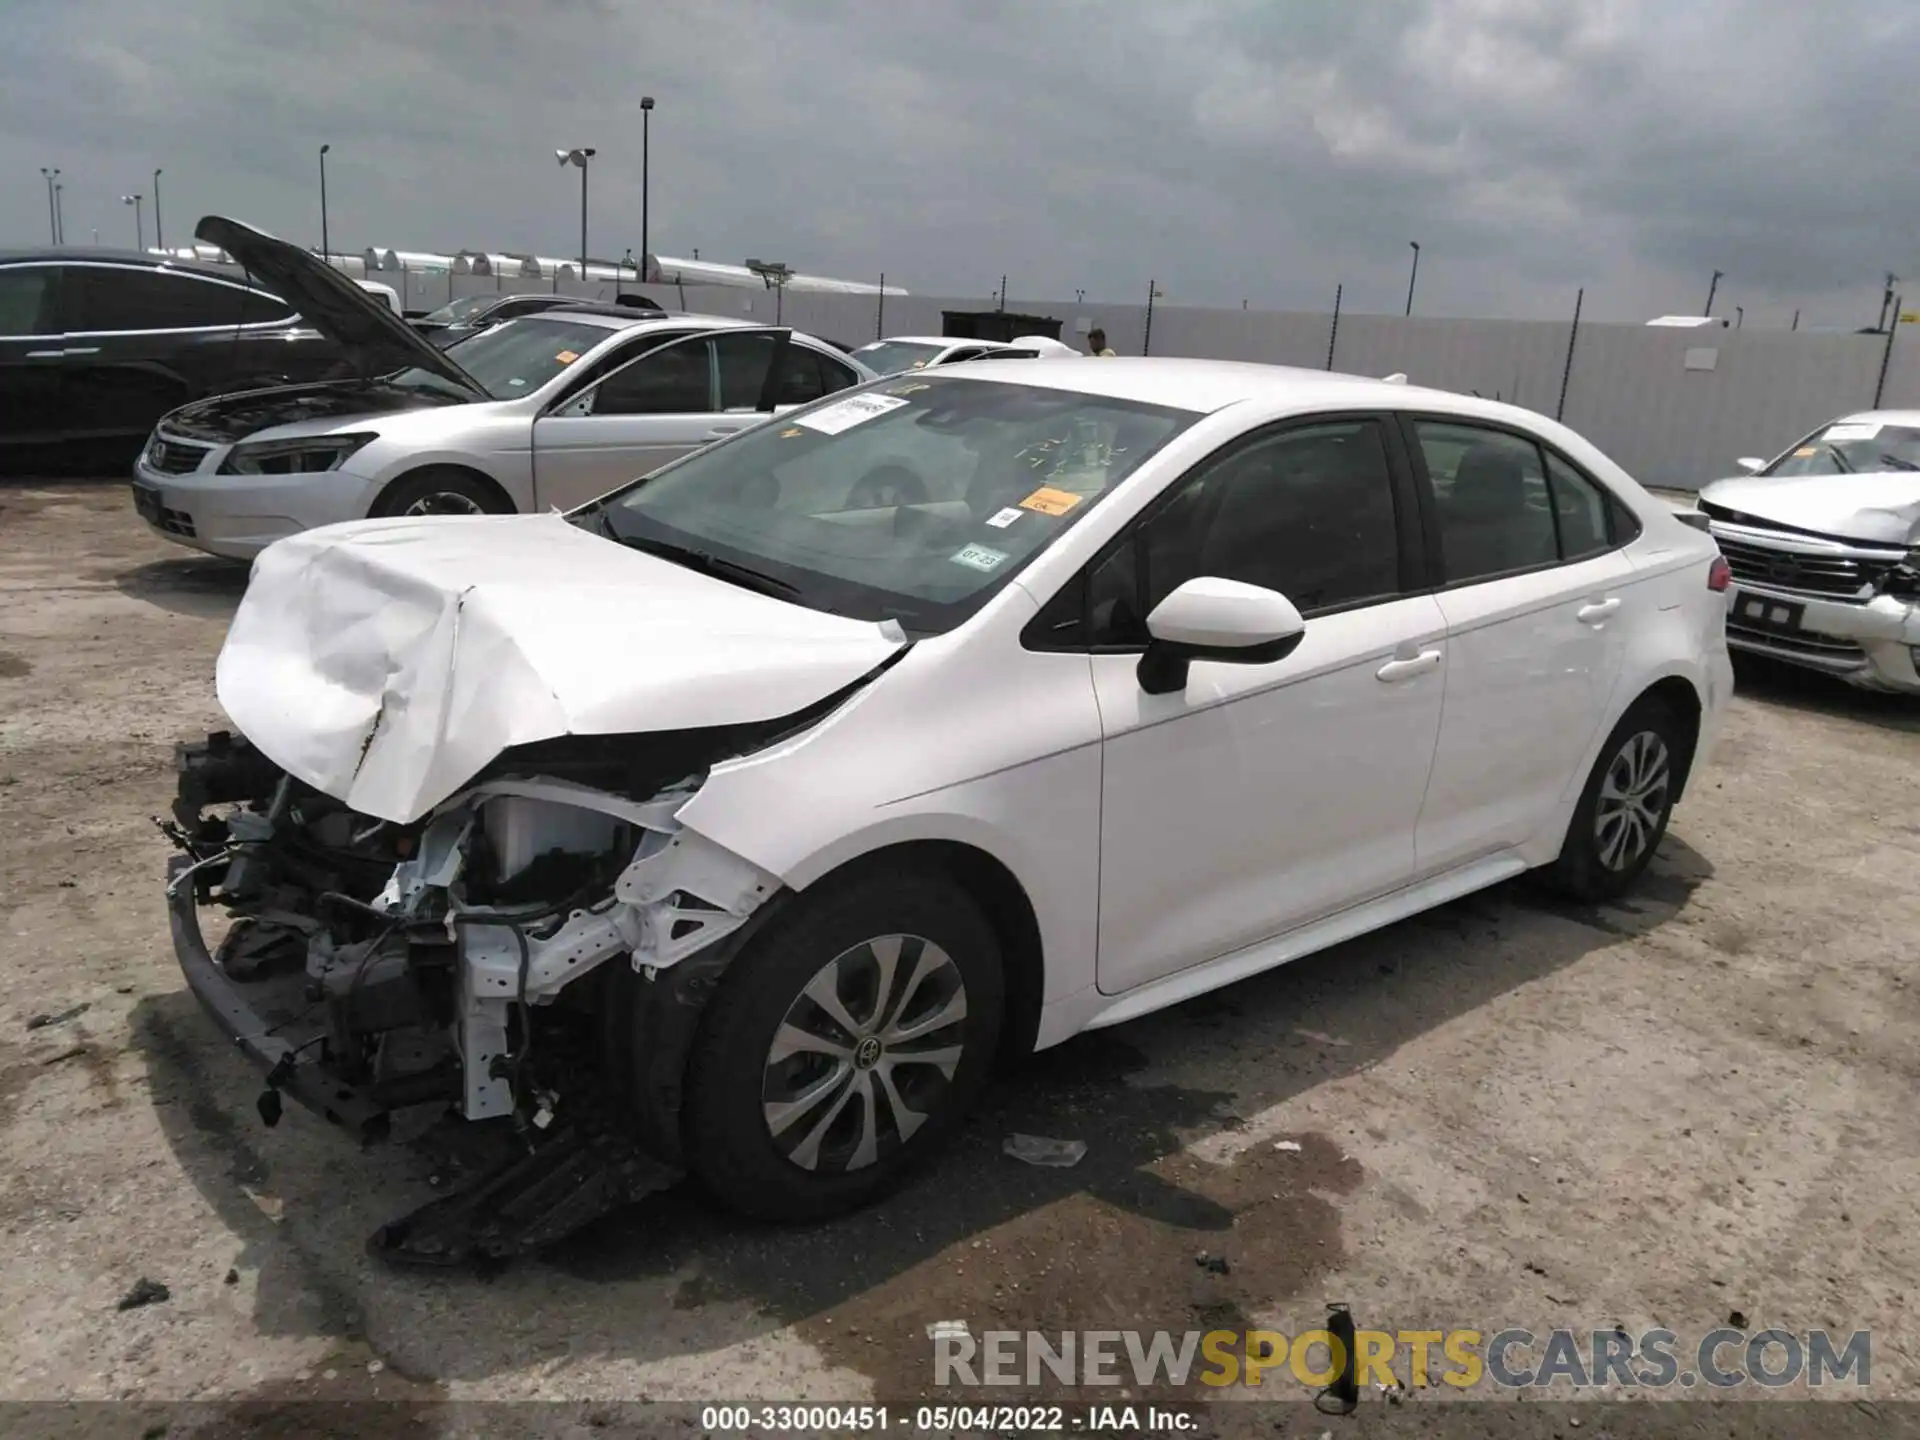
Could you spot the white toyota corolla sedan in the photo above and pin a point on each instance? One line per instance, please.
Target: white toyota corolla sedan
(737, 822)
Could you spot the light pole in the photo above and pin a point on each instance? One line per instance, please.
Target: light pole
(1414, 276)
(324, 251)
(139, 231)
(53, 217)
(646, 136)
(60, 210)
(1886, 297)
(158, 242)
(1713, 287)
(580, 156)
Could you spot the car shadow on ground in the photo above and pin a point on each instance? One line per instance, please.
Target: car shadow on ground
(1757, 677)
(203, 587)
(976, 1235)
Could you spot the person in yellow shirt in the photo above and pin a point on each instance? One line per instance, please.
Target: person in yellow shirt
(1097, 342)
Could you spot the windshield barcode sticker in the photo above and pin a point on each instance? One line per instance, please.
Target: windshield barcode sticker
(1856, 431)
(847, 413)
(979, 557)
(1001, 519)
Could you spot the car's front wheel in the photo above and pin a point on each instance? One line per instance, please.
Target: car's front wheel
(1626, 804)
(844, 1045)
(441, 491)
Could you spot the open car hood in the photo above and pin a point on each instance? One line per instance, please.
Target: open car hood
(1881, 508)
(334, 305)
(385, 662)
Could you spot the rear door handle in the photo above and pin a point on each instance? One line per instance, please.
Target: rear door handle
(45, 354)
(1395, 670)
(1593, 612)
(81, 350)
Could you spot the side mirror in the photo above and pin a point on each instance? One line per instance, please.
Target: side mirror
(1751, 463)
(1213, 619)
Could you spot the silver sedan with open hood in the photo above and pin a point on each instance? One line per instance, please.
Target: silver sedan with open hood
(543, 412)
(1824, 544)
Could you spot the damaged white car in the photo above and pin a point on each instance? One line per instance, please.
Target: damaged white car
(737, 823)
(1824, 542)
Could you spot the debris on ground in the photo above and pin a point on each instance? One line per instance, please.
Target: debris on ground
(72, 1052)
(144, 1292)
(1212, 1264)
(1738, 1319)
(1039, 1150)
(1292, 1147)
(1320, 1039)
(41, 1022)
(233, 1278)
(946, 1327)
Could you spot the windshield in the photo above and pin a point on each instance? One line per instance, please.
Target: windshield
(516, 357)
(887, 357)
(455, 310)
(914, 498)
(1852, 447)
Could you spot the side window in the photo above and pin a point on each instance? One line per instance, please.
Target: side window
(1490, 494)
(28, 300)
(799, 379)
(674, 380)
(744, 359)
(1308, 512)
(1581, 509)
(834, 376)
(126, 298)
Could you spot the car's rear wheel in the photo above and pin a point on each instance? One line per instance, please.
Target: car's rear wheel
(442, 491)
(1624, 809)
(843, 1047)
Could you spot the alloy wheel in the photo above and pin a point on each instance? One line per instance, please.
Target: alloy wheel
(1633, 800)
(445, 502)
(865, 1054)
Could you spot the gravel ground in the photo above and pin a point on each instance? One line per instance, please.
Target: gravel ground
(1507, 1113)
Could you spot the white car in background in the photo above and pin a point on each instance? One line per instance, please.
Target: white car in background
(920, 352)
(541, 412)
(1824, 541)
(736, 823)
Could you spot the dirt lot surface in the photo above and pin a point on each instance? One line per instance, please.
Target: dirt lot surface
(1507, 1113)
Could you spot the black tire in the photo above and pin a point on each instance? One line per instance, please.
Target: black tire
(444, 491)
(733, 1077)
(1590, 868)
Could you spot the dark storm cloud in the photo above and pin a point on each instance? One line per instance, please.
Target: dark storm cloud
(1232, 149)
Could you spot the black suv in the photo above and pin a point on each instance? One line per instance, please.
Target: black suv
(96, 345)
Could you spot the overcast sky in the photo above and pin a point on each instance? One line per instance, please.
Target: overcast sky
(1234, 149)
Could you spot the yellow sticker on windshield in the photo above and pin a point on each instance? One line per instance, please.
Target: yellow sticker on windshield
(1806, 450)
(791, 431)
(567, 357)
(1049, 501)
(906, 389)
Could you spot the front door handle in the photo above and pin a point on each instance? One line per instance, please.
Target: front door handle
(81, 350)
(1595, 611)
(45, 354)
(1395, 670)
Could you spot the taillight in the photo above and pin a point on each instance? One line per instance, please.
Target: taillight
(1719, 574)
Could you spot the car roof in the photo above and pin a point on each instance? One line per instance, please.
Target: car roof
(1208, 385)
(618, 318)
(945, 342)
(108, 255)
(1880, 417)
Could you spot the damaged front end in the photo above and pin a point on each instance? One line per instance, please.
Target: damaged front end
(513, 979)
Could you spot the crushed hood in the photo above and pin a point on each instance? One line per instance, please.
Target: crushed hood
(385, 662)
(379, 340)
(1881, 509)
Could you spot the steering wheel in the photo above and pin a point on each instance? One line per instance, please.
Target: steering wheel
(886, 485)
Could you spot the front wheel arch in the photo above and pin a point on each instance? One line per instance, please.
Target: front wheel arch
(492, 493)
